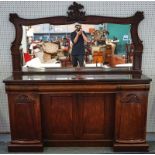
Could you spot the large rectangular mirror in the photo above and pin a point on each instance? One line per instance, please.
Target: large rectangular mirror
(51, 46)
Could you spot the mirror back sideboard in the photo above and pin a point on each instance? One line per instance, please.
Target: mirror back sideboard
(78, 106)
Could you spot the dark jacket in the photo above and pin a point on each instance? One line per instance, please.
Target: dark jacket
(78, 48)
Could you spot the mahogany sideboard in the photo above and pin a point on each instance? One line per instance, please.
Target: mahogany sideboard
(78, 110)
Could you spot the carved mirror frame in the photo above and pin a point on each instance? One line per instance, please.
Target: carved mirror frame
(76, 14)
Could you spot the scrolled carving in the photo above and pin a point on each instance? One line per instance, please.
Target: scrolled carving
(23, 99)
(75, 12)
(139, 15)
(13, 17)
(130, 98)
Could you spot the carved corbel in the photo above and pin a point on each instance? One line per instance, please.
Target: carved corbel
(23, 99)
(130, 98)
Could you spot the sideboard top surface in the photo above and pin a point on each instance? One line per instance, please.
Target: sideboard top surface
(78, 78)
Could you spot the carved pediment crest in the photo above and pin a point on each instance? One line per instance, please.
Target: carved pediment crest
(75, 12)
(139, 15)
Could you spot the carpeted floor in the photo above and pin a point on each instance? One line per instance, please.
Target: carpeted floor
(70, 150)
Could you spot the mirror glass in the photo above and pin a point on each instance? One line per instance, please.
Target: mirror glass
(54, 46)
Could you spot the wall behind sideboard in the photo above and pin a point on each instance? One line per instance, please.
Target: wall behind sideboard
(34, 9)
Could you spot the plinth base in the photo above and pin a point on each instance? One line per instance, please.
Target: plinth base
(25, 148)
(131, 147)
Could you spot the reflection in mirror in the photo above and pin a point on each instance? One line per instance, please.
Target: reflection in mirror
(107, 45)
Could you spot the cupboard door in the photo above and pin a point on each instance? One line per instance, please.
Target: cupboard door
(96, 116)
(25, 118)
(78, 119)
(131, 108)
(58, 116)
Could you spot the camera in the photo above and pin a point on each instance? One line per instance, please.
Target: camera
(78, 29)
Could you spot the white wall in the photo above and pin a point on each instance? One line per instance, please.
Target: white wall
(36, 9)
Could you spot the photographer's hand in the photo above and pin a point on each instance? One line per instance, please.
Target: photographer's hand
(78, 33)
(85, 38)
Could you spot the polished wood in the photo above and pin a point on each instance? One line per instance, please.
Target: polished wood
(68, 118)
(108, 55)
(25, 114)
(131, 107)
(78, 110)
(98, 57)
(78, 106)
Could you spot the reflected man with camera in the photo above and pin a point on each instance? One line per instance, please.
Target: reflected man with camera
(78, 37)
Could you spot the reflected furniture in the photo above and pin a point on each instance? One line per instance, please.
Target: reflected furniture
(66, 62)
(78, 106)
(108, 54)
(129, 52)
(98, 57)
(103, 54)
